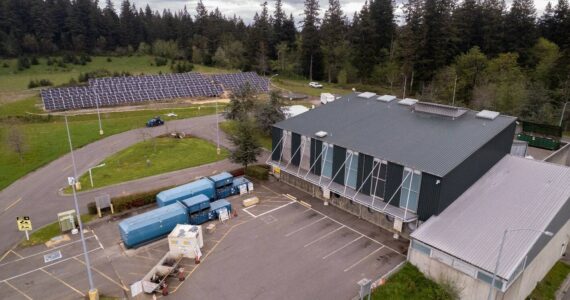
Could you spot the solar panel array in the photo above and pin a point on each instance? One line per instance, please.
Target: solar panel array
(114, 91)
(236, 81)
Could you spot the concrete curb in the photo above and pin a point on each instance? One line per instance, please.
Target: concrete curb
(564, 289)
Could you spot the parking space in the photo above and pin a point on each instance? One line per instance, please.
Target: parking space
(287, 249)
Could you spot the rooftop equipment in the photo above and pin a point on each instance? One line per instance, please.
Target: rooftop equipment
(387, 98)
(366, 95)
(321, 134)
(439, 109)
(488, 114)
(408, 101)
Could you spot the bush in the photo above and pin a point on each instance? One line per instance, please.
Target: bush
(35, 61)
(61, 63)
(160, 61)
(135, 200)
(260, 172)
(49, 61)
(5, 65)
(182, 67)
(39, 83)
(92, 208)
(109, 59)
(23, 63)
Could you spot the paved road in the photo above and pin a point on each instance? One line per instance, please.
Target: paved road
(36, 195)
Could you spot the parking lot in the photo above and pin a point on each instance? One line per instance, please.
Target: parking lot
(289, 246)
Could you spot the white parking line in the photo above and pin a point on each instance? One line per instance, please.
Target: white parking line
(45, 251)
(362, 259)
(272, 210)
(18, 290)
(312, 223)
(38, 269)
(246, 210)
(104, 275)
(324, 236)
(337, 250)
(63, 282)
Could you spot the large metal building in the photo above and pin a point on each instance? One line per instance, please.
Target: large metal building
(392, 162)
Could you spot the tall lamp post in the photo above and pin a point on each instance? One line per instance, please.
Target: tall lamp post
(93, 294)
(562, 116)
(491, 294)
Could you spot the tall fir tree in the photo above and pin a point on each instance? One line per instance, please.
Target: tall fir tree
(311, 54)
(334, 43)
(520, 29)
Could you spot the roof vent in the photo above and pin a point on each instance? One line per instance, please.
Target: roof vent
(366, 95)
(439, 109)
(408, 101)
(386, 98)
(488, 114)
(321, 134)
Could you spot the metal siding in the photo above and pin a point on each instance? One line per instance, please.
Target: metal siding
(429, 196)
(276, 135)
(339, 156)
(393, 180)
(295, 149)
(316, 148)
(470, 170)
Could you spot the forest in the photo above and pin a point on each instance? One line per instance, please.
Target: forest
(473, 53)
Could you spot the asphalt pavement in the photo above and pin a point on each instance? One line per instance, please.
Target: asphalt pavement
(37, 194)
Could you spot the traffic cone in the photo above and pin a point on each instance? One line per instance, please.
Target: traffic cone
(165, 290)
(235, 213)
(181, 274)
(196, 259)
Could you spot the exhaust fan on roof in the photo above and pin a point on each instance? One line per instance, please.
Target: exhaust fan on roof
(321, 134)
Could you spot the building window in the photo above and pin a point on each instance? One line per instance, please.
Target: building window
(327, 160)
(487, 278)
(410, 192)
(378, 179)
(286, 150)
(351, 169)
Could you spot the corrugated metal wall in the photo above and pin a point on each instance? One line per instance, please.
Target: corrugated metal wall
(393, 181)
(316, 148)
(276, 134)
(470, 170)
(339, 156)
(295, 149)
(429, 196)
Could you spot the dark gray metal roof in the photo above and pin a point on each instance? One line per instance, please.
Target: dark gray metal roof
(515, 193)
(393, 132)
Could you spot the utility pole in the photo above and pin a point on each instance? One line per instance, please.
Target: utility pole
(93, 293)
(454, 88)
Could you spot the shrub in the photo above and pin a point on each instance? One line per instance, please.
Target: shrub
(260, 172)
(61, 63)
(182, 67)
(5, 65)
(92, 208)
(123, 203)
(160, 61)
(35, 61)
(109, 59)
(38, 83)
(23, 63)
(49, 61)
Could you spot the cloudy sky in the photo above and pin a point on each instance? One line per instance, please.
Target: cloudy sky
(247, 8)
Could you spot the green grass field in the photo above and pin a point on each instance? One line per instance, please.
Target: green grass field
(302, 86)
(45, 138)
(50, 231)
(164, 154)
(230, 126)
(410, 284)
(547, 287)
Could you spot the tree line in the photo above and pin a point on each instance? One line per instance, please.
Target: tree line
(477, 53)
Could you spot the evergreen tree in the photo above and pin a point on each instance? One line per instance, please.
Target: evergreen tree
(520, 32)
(269, 113)
(382, 18)
(246, 146)
(334, 43)
(362, 45)
(311, 54)
(493, 24)
(467, 20)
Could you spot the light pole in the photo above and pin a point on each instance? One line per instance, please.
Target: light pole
(218, 150)
(98, 113)
(92, 290)
(562, 116)
(547, 233)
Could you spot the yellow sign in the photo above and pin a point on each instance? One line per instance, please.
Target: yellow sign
(24, 223)
(276, 170)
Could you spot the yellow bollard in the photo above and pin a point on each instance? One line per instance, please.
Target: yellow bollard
(78, 186)
(93, 294)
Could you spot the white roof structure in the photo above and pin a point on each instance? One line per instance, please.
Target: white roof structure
(367, 95)
(408, 101)
(516, 193)
(293, 110)
(386, 98)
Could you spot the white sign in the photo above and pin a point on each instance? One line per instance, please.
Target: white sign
(223, 215)
(136, 289)
(52, 256)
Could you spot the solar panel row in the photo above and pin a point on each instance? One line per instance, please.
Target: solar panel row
(114, 91)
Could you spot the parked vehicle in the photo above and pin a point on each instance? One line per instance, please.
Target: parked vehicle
(156, 121)
(315, 85)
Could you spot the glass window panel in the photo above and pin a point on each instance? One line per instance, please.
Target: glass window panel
(409, 195)
(327, 161)
(351, 170)
(306, 154)
(383, 171)
(378, 179)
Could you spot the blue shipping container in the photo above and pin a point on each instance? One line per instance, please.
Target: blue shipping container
(218, 205)
(222, 179)
(197, 203)
(199, 217)
(202, 186)
(152, 224)
(224, 192)
(238, 182)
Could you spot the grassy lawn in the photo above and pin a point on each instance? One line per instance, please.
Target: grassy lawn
(165, 154)
(546, 289)
(409, 283)
(49, 231)
(302, 86)
(230, 126)
(13, 80)
(45, 138)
